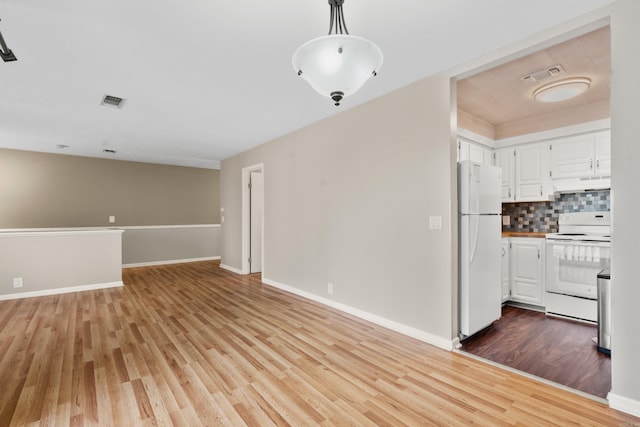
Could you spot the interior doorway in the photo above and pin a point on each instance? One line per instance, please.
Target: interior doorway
(253, 219)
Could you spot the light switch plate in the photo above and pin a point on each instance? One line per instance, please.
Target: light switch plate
(112, 219)
(506, 220)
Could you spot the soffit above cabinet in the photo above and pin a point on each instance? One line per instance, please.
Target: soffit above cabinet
(501, 99)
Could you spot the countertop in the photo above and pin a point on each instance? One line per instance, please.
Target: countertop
(536, 234)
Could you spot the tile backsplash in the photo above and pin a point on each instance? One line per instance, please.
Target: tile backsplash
(543, 216)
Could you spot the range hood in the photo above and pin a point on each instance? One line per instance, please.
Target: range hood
(575, 185)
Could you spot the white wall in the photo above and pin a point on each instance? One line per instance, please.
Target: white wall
(348, 200)
(625, 132)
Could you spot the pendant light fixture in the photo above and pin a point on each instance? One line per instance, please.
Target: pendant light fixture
(5, 53)
(338, 64)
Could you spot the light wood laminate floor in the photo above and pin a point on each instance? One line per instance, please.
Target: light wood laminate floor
(191, 344)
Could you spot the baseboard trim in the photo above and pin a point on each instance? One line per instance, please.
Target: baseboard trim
(624, 404)
(57, 291)
(373, 318)
(231, 269)
(169, 261)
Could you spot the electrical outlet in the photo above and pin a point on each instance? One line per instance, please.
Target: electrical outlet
(330, 288)
(17, 282)
(112, 219)
(506, 220)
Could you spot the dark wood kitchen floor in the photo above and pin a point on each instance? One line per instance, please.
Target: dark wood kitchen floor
(556, 349)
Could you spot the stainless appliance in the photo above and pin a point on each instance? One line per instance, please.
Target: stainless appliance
(480, 214)
(604, 311)
(575, 256)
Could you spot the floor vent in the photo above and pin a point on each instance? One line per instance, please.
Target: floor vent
(112, 101)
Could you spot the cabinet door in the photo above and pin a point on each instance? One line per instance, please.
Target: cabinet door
(488, 156)
(572, 157)
(531, 173)
(505, 269)
(476, 153)
(526, 269)
(505, 159)
(603, 154)
(463, 150)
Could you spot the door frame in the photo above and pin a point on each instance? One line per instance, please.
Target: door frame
(246, 217)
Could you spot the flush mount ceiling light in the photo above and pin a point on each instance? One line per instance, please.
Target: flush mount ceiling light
(562, 90)
(338, 64)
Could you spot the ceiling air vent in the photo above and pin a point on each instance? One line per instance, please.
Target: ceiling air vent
(112, 101)
(545, 73)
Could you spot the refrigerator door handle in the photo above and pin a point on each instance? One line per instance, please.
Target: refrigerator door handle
(474, 230)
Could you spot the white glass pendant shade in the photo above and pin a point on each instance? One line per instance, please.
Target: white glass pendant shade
(337, 65)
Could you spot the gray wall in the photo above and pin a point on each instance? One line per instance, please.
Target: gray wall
(625, 133)
(50, 190)
(348, 200)
(148, 245)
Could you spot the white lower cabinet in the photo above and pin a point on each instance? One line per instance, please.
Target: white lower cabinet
(505, 269)
(526, 262)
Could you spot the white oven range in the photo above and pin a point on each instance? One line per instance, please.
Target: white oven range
(575, 256)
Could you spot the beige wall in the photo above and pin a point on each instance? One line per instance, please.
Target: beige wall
(150, 245)
(51, 190)
(348, 200)
(50, 261)
(328, 186)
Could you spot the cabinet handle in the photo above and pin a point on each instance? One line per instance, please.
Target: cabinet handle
(541, 190)
(591, 164)
(509, 193)
(538, 253)
(597, 163)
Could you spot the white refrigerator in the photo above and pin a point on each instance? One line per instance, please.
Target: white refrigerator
(480, 258)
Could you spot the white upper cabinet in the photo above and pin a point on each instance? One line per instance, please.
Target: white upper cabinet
(489, 159)
(582, 156)
(463, 150)
(603, 153)
(532, 173)
(505, 159)
(572, 157)
(475, 152)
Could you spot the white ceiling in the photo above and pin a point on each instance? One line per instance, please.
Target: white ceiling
(204, 80)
